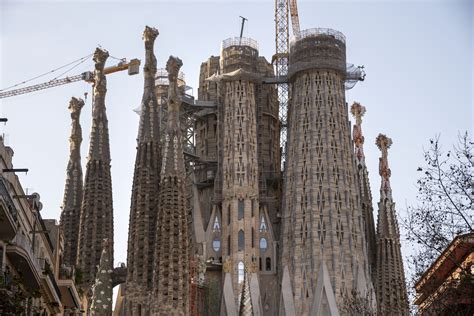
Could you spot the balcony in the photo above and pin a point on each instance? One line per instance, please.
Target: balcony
(21, 254)
(8, 214)
(52, 290)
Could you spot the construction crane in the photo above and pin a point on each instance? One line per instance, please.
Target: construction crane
(280, 61)
(295, 21)
(133, 67)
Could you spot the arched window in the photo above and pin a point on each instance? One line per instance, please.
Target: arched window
(241, 240)
(241, 209)
(216, 244)
(241, 271)
(268, 264)
(263, 244)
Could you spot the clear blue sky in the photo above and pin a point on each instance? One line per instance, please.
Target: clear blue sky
(418, 57)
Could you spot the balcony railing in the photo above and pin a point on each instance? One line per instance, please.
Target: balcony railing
(8, 199)
(23, 242)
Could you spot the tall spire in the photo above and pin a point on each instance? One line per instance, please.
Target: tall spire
(101, 302)
(145, 191)
(358, 112)
(97, 211)
(71, 208)
(171, 265)
(390, 284)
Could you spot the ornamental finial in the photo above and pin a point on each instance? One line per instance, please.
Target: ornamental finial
(358, 111)
(384, 143)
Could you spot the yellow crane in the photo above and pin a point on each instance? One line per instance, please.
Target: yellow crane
(133, 67)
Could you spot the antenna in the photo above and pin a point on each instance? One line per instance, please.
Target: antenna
(242, 27)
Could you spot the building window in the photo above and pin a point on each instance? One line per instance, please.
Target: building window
(228, 245)
(263, 225)
(241, 240)
(241, 209)
(263, 244)
(216, 244)
(253, 237)
(268, 264)
(253, 207)
(216, 227)
(228, 214)
(241, 271)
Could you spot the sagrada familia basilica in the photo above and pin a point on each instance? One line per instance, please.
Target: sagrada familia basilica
(218, 224)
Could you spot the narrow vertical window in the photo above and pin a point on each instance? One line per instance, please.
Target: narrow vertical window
(241, 209)
(253, 237)
(268, 264)
(241, 240)
(228, 245)
(228, 214)
(253, 207)
(241, 271)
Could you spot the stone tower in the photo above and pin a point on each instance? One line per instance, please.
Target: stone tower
(97, 211)
(358, 112)
(71, 208)
(390, 285)
(145, 191)
(171, 262)
(101, 302)
(239, 194)
(324, 255)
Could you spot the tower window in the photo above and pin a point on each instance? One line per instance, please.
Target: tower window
(263, 244)
(241, 209)
(241, 271)
(268, 264)
(263, 225)
(228, 245)
(216, 244)
(216, 227)
(241, 240)
(228, 214)
(253, 237)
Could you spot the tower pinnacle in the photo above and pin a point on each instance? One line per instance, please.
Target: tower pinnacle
(390, 280)
(97, 221)
(171, 264)
(101, 303)
(358, 111)
(71, 208)
(145, 190)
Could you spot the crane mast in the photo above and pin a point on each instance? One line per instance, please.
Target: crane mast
(280, 60)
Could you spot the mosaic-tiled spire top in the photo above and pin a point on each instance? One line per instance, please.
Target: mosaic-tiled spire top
(390, 284)
(384, 143)
(99, 139)
(101, 302)
(145, 191)
(358, 112)
(71, 208)
(173, 159)
(149, 128)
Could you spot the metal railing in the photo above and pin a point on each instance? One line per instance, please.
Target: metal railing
(240, 41)
(318, 31)
(8, 199)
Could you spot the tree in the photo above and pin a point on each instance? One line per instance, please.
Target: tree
(445, 208)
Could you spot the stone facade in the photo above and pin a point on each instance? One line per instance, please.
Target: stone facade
(96, 222)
